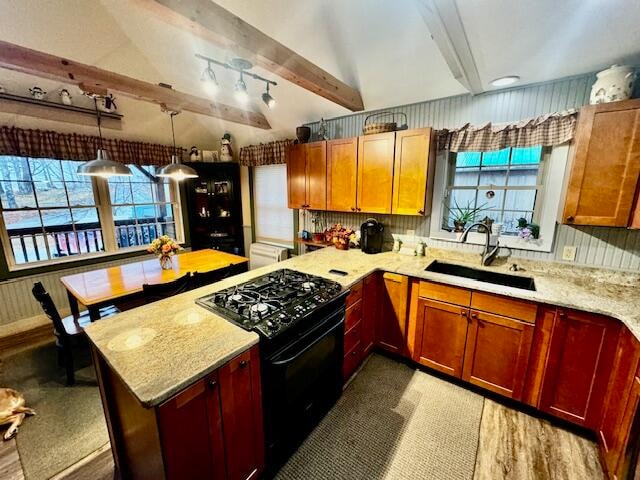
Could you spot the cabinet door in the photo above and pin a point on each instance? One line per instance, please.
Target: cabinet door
(316, 171)
(191, 432)
(242, 416)
(618, 392)
(497, 353)
(606, 165)
(369, 313)
(630, 434)
(441, 333)
(413, 172)
(580, 358)
(392, 321)
(375, 172)
(297, 176)
(342, 174)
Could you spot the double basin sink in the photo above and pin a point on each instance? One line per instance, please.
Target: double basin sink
(496, 278)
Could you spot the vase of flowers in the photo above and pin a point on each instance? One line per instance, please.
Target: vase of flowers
(341, 236)
(165, 248)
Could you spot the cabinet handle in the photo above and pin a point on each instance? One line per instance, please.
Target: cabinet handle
(570, 219)
(212, 384)
(243, 363)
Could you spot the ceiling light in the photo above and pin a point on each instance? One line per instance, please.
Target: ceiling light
(210, 81)
(504, 81)
(268, 100)
(241, 90)
(176, 170)
(102, 166)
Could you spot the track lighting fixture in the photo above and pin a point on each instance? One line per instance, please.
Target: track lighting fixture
(241, 66)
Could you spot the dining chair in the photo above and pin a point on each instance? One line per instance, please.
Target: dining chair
(207, 278)
(157, 291)
(69, 331)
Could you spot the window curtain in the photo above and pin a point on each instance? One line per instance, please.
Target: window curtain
(547, 130)
(272, 153)
(72, 146)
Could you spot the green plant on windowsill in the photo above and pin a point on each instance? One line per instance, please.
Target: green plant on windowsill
(463, 215)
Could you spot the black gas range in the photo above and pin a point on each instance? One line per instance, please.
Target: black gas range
(300, 320)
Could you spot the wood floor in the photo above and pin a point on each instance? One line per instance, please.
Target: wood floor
(512, 446)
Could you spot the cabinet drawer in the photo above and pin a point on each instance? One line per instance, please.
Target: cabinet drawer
(352, 337)
(353, 315)
(352, 360)
(355, 294)
(508, 307)
(445, 293)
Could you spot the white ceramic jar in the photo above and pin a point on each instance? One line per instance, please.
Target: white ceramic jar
(613, 84)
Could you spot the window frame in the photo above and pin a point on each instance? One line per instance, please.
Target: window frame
(104, 208)
(545, 213)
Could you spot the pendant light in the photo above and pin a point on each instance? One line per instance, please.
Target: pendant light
(176, 170)
(102, 166)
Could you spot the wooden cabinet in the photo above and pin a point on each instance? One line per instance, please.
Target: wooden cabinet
(497, 353)
(414, 167)
(375, 172)
(580, 356)
(630, 434)
(369, 312)
(441, 333)
(391, 328)
(307, 176)
(605, 165)
(342, 174)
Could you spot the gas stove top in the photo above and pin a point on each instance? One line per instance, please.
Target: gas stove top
(272, 303)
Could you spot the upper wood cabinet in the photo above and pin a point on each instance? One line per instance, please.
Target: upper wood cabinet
(414, 167)
(375, 172)
(580, 355)
(307, 176)
(391, 328)
(342, 174)
(605, 165)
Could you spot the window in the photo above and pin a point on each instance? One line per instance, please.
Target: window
(273, 218)
(48, 212)
(505, 185)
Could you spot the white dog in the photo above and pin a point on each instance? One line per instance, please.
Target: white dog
(12, 411)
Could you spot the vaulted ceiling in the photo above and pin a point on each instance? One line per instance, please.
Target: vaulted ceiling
(381, 47)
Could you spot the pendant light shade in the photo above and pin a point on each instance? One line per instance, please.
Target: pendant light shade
(176, 170)
(102, 166)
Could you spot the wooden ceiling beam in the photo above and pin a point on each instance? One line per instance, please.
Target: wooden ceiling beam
(25, 60)
(213, 23)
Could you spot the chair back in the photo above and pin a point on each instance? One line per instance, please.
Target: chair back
(158, 291)
(43, 297)
(213, 276)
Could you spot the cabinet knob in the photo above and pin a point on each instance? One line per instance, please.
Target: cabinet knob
(243, 363)
(212, 384)
(420, 212)
(570, 219)
(359, 209)
(353, 209)
(562, 314)
(353, 352)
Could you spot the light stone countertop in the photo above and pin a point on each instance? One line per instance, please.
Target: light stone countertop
(161, 348)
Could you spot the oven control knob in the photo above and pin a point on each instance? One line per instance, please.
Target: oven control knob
(272, 325)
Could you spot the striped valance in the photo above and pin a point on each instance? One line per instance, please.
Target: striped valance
(271, 153)
(72, 146)
(547, 130)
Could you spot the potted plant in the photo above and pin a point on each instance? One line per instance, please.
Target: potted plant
(341, 236)
(165, 248)
(463, 215)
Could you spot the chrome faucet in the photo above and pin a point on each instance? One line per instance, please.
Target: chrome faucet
(489, 252)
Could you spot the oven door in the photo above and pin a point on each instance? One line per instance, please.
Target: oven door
(301, 382)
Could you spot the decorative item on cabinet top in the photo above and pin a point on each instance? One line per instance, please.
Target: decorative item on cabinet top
(613, 84)
(370, 127)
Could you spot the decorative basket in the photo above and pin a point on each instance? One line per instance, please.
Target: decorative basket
(382, 122)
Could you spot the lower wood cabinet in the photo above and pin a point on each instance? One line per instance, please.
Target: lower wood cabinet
(628, 447)
(441, 333)
(369, 312)
(580, 357)
(391, 328)
(497, 353)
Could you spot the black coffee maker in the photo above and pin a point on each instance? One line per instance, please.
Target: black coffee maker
(371, 236)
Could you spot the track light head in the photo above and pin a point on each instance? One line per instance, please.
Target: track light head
(241, 90)
(268, 100)
(209, 80)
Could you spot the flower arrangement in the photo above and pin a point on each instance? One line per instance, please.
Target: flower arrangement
(341, 236)
(528, 231)
(164, 247)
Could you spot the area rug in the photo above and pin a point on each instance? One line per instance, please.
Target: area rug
(393, 422)
(69, 423)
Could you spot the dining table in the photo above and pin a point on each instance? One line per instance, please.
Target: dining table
(97, 288)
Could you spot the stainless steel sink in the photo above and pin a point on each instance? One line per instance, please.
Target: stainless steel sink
(505, 279)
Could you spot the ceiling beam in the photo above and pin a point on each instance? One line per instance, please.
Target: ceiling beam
(444, 22)
(87, 77)
(213, 23)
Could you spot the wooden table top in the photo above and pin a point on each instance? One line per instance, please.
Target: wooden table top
(106, 284)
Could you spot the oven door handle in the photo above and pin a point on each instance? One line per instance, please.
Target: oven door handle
(308, 347)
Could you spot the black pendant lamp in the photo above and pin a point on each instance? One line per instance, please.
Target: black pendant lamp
(176, 170)
(102, 166)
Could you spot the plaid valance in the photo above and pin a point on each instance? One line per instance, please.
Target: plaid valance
(72, 146)
(547, 130)
(271, 153)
